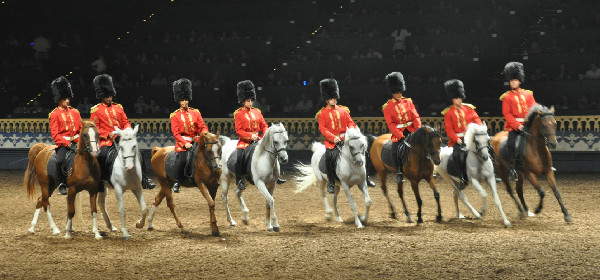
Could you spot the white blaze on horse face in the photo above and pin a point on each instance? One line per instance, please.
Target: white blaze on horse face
(93, 141)
(215, 154)
(128, 148)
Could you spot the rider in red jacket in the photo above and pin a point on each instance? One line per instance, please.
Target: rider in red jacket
(65, 124)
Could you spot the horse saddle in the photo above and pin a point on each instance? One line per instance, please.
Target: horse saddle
(66, 167)
(246, 161)
(172, 169)
(323, 166)
(454, 162)
(107, 169)
(520, 145)
(387, 155)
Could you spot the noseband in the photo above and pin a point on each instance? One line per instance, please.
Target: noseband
(544, 136)
(211, 161)
(430, 146)
(126, 157)
(479, 148)
(275, 151)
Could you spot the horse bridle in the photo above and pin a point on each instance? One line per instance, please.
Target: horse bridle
(430, 146)
(544, 136)
(478, 149)
(211, 161)
(88, 148)
(351, 154)
(126, 157)
(275, 151)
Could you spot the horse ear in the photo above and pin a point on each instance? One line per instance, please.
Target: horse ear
(136, 128)
(218, 132)
(117, 129)
(552, 109)
(538, 111)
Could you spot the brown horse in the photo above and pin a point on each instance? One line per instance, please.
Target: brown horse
(207, 171)
(84, 175)
(540, 133)
(425, 150)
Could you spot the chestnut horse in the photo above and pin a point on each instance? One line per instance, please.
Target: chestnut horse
(207, 171)
(84, 175)
(424, 151)
(540, 133)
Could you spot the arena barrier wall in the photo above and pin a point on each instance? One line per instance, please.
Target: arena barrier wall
(578, 137)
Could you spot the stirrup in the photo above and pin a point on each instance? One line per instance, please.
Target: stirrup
(281, 181)
(370, 182)
(512, 175)
(62, 189)
(330, 187)
(176, 187)
(147, 183)
(399, 178)
(241, 185)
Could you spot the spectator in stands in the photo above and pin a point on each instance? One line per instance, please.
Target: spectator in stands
(564, 103)
(373, 54)
(437, 106)
(400, 35)
(264, 106)
(347, 79)
(535, 48)
(538, 75)
(593, 73)
(574, 23)
(141, 82)
(416, 52)
(563, 74)
(554, 47)
(216, 80)
(84, 106)
(37, 107)
(140, 106)
(304, 105)
(365, 107)
(124, 82)
(153, 107)
(356, 55)
(99, 65)
(158, 80)
(41, 46)
(288, 107)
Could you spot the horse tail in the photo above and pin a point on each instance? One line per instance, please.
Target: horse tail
(29, 180)
(317, 146)
(370, 168)
(306, 178)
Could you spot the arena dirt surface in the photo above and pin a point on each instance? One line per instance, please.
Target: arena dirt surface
(308, 246)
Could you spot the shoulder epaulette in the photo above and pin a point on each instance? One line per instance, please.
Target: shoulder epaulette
(344, 107)
(446, 110)
(318, 113)
(236, 111)
(257, 109)
(74, 109)
(503, 95)
(194, 109)
(93, 109)
(118, 105)
(409, 99)
(529, 91)
(173, 114)
(470, 105)
(385, 105)
(51, 113)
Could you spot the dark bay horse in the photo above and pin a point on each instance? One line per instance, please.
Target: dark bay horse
(207, 171)
(425, 150)
(84, 175)
(540, 134)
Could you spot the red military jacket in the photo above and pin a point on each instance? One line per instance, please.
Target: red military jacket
(106, 118)
(515, 106)
(65, 125)
(185, 125)
(456, 121)
(333, 122)
(248, 122)
(401, 115)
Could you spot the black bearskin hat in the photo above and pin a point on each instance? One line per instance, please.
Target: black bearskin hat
(103, 84)
(245, 90)
(61, 89)
(395, 82)
(182, 89)
(455, 89)
(514, 70)
(329, 89)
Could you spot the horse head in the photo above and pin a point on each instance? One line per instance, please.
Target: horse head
(477, 139)
(211, 145)
(434, 142)
(88, 138)
(279, 140)
(357, 145)
(541, 123)
(127, 146)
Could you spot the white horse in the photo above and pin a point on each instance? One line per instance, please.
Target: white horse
(479, 168)
(126, 175)
(268, 154)
(350, 170)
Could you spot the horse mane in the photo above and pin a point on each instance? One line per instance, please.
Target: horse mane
(420, 135)
(473, 128)
(355, 132)
(81, 144)
(533, 113)
(262, 142)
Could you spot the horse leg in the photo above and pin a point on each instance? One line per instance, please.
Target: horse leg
(504, 176)
(139, 194)
(275, 223)
(328, 209)
(436, 195)
(415, 188)
(532, 178)
(93, 199)
(157, 200)
(409, 218)
(211, 209)
(270, 220)
(171, 205)
(477, 186)
(519, 189)
(552, 183)
(70, 211)
(382, 179)
(224, 196)
(459, 194)
(365, 191)
(346, 189)
(334, 199)
(119, 194)
(245, 210)
(491, 180)
(102, 206)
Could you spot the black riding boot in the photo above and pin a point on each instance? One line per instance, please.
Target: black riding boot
(180, 162)
(459, 163)
(146, 182)
(239, 166)
(330, 169)
(512, 154)
(61, 179)
(396, 156)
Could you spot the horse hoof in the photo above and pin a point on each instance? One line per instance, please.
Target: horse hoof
(507, 224)
(126, 237)
(56, 232)
(139, 225)
(360, 226)
(530, 214)
(438, 219)
(393, 215)
(568, 219)
(420, 220)
(246, 222)
(184, 231)
(216, 233)
(114, 229)
(270, 229)
(276, 229)
(538, 210)
(328, 217)
(150, 228)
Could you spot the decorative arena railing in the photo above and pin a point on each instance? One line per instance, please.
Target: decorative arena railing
(574, 133)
